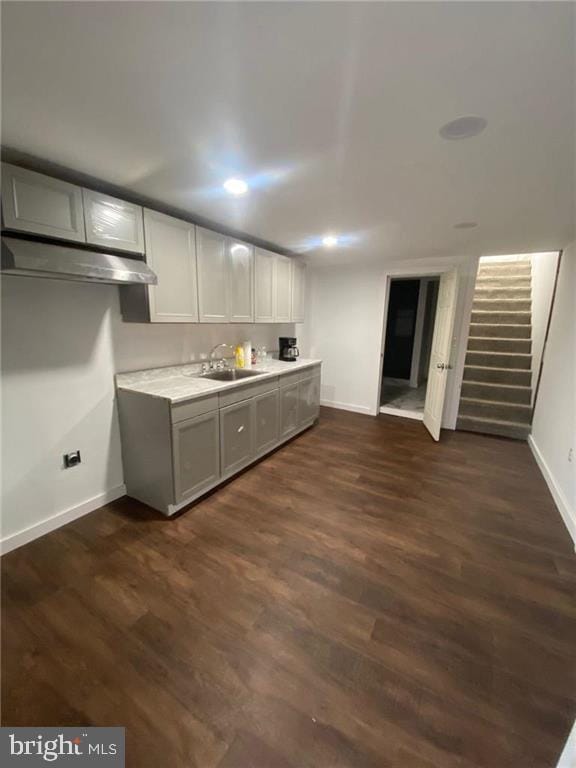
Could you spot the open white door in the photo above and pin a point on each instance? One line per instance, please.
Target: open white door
(440, 355)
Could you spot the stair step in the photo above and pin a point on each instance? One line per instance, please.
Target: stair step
(499, 360)
(512, 376)
(501, 305)
(493, 427)
(503, 393)
(501, 318)
(495, 410)
(500, 330)
(515, 268)
(491, 344)
(503, 281)
(496, 292)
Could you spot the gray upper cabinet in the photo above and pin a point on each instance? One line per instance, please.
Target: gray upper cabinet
(213, 284)
(266, 422)
(298, 291)
(264, 262)
(113, 223)
(32, 202)
(308, 399)
(196, 449)
(240, 281)
(236, 436)
(171, 252)
(282, 289)
(288, 409)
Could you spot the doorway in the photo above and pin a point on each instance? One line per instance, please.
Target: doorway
(410, 323)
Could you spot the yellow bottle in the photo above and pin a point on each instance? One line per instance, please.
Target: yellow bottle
(239, 352)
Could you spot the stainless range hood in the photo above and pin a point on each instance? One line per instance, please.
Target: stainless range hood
(31, 258)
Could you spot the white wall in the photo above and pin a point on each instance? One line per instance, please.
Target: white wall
(345, 329)
(61, 345)
(553, 436)
(543, 274)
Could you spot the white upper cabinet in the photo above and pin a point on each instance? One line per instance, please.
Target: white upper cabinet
(32, 202)
(282, 289)
(264, 289)
(298, 291)
(113, 223)
(212, 258)
(241, 281)
(171, 252)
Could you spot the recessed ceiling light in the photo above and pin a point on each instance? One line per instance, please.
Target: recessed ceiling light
(463, 127)
(235, 186)
(330, 241)
(466, 225)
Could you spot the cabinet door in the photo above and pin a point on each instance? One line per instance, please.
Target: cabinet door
(112, 222)
(282, 289)
(266, 422)
(298, 291)
(212, 276)
(236, 436)
(32, 202)
(171, 252)
(288, 410)
(196, 454)
(308, 400)
(264, 286)
(241, 281)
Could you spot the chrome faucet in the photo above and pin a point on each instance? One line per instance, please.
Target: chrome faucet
(221, 362)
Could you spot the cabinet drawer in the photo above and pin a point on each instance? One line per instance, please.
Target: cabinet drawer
(290, 378)
(247, 390)
(307, 373)
(192, 408)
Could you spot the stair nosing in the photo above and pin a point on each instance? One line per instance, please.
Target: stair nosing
(496, 403)
(484, 420)
(495, 384)
(493, 368)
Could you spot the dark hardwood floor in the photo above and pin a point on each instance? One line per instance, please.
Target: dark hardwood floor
(363, 598)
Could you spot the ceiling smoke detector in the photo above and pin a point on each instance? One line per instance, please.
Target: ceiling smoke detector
(463, 127)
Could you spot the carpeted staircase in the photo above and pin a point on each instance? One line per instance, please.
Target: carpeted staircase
(496, 391)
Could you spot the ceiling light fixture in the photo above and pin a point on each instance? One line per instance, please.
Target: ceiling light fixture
(330, 241)
(463, 127)
(466, 225)
(235, 186)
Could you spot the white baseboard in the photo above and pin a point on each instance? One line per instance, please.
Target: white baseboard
(15, 540)
(568, 515)
(568, 756)
(347, 407)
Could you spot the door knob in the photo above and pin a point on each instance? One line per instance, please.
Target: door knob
(440, 366)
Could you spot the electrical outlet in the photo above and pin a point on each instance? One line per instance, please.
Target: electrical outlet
(72, 459)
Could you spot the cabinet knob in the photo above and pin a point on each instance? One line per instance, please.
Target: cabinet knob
(241, 428)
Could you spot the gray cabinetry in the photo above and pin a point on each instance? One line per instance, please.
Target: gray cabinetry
(213, 282)
(264, 286)
(308, 399)
(113, 223)
(32, 202)
(196, 449)
(288, 409)
(236, 436)
(282, 289)
(266, 417)
(241, 282)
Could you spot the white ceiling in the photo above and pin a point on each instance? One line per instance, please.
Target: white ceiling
(330, 110)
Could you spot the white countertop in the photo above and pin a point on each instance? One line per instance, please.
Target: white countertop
(183, 382)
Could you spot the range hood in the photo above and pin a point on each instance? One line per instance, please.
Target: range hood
(31, 258)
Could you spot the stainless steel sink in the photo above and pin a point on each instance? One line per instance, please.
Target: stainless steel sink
(235, 374)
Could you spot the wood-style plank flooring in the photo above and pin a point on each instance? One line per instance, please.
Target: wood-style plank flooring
(363, 598)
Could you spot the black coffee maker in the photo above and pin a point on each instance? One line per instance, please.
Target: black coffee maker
(288, 350)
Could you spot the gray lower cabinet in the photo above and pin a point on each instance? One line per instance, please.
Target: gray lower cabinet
(236, 436)
(196, 455)
(308, 400)
(288, 410)
(266, 422)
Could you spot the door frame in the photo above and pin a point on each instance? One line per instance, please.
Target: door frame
(467, 269)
